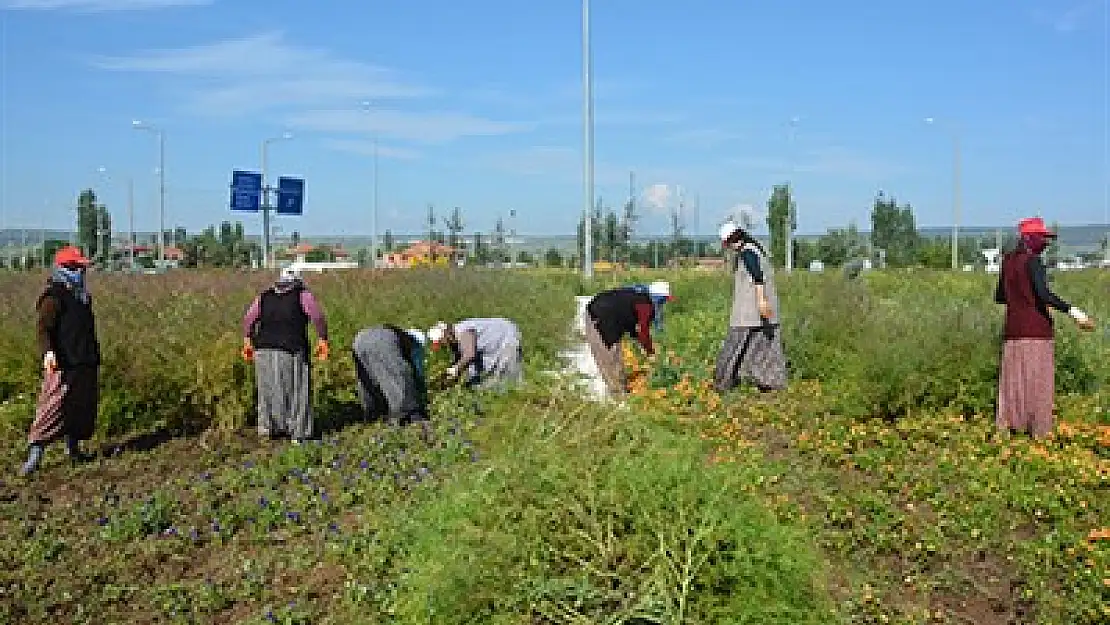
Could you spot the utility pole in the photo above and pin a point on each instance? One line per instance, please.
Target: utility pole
(131, 222)
(588, 129)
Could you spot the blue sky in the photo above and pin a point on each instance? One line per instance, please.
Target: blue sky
(477, 104)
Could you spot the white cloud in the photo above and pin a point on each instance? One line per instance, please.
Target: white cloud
(418, 127)
(367, 148)
(243, 76)
(1071, 19)
(311, 87)
(98, 6)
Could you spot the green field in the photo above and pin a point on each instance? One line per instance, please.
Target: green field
(874, 490)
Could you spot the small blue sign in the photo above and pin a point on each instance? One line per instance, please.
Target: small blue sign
(246, 191)
(290, 196)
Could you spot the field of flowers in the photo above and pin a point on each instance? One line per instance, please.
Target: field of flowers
(874, 490)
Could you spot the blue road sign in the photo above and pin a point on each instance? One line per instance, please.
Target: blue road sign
(246, 191)
(290, 196)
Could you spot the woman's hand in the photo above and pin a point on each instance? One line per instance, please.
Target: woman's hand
(765, 309)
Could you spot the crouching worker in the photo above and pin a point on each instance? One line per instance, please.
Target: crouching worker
(614, 314)
(67, 404)
(275, 337)
(389, 362)
(487, 351)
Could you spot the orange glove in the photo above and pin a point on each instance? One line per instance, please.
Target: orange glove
(248, 350)
(321, 350)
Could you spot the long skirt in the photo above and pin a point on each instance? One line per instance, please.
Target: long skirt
(751, 354)
(387, 385)
(499, 369)
(1026, 386)
(608, 358)
(284, 393)
(67, 406)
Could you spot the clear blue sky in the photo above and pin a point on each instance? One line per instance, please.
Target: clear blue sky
(478, 104)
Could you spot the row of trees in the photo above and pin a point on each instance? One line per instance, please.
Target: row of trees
(894, 240)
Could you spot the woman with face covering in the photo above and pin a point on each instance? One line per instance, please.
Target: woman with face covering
(70, 352)
(753, 347)
(1026, 381)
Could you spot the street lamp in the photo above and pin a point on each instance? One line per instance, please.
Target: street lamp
(367, 106)
(130, 218)
(588, 131)
(791, 218)
(285, 136)
(140, 125)
(955, 193)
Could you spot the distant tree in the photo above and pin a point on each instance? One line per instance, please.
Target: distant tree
(454, 225)
(780, 208)
(94, 226)
(553, 257)
(387, 241)
(295, 238)
(613, 236)
(837, 247)
(894, 230)
(628, 226)
(499, 240)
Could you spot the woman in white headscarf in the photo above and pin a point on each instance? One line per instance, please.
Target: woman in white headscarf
(275, 337)
(486, 350)
(390, 366)
(753, 347)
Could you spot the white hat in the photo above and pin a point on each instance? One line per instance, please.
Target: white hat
(727, 230)
(418, 335)
(660, 289)
(437, 332)
(289, 274)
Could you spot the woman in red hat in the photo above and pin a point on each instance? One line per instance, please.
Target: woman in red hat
(67, 404)
(1026, 381)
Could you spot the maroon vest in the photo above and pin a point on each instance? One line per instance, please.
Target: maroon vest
(1026, 317)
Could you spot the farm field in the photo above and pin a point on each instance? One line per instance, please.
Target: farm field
(873, 490)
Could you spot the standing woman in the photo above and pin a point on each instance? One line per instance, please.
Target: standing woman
(68, 400)
(389, 362)
(1026, 380)
(753, 347)
(275, 337)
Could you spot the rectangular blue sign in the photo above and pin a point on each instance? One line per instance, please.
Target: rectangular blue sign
(290, 196)
(246, 191)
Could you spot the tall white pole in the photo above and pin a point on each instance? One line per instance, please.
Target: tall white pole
(131, 222)
(955, 201)
(161, 196)
(588, 164)
(265, 210)
(374, 211)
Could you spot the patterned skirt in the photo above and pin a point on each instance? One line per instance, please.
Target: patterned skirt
(751, 354)
(67, 405)
(1027, 386)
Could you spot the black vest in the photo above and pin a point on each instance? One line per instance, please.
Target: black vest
(74, 333)
(614, 311)
(281, 323)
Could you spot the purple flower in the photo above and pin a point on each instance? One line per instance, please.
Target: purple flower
(293, 516)
(102, 521)
(333, 527)
(263, 502)
(207, 475)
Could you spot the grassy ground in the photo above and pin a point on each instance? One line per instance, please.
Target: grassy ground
(866, 493)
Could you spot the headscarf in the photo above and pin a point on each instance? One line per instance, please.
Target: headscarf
(288, 279)
(1035, 242)
(72, 279)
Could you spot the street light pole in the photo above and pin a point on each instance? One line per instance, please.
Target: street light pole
(266, 199)
(588, 130)
(139, 125)
(367, 106)
(791, 218)
(956, 208)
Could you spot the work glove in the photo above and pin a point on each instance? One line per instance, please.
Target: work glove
(248, 350)
(49, 362)
(1082, 319)
(321, 350)
(452, 372)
